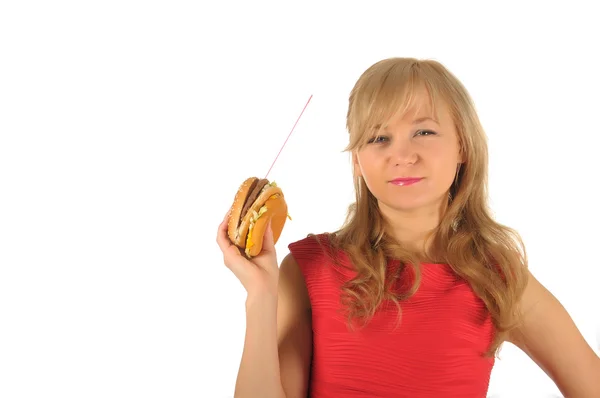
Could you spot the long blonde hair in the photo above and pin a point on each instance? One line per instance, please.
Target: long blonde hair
(491, 257)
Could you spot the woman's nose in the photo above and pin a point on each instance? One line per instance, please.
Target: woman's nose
(403, 152)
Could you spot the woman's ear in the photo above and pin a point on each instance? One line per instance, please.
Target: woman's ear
(461, 155)
(356, 165)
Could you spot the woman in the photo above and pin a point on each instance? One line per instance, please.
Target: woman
(414, 295)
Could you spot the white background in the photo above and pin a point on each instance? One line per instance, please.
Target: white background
(126, 128)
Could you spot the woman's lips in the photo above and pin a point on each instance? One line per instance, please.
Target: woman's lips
(405, 181)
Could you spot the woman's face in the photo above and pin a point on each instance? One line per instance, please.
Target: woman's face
(411, 146)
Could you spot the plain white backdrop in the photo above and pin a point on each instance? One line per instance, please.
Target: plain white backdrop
(126, 128)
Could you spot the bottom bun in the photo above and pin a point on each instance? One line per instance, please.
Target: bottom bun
(277, 214)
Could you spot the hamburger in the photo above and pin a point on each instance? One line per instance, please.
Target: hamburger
(256, 202)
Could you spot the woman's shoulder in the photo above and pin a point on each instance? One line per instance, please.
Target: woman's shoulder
(315, 247)
(312, 250)
(311, 241)
(310, 261)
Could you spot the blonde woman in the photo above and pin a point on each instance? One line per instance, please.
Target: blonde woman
(416, 292)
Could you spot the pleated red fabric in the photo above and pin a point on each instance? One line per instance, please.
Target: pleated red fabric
(435, 349)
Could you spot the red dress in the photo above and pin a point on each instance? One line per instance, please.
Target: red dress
(436, 350)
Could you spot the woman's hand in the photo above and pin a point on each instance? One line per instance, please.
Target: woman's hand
(260, 274)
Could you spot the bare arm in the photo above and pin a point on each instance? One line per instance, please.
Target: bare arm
(259, 374)
(549, 336)
(294, 330)
(278, 344)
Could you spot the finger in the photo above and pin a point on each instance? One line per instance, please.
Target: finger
(231, 253)
(227, 215)
(268, 246)
(222, 236)
(268, 241)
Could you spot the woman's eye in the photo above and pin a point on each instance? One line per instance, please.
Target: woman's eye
(378, 139)
(426, 132)
(382, 138)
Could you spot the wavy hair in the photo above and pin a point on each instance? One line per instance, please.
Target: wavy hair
(489, 256)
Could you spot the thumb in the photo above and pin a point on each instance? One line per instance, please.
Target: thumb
(267, 258)
(267, 251)
(268, 243)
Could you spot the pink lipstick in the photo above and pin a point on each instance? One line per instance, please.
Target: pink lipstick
(405, 181)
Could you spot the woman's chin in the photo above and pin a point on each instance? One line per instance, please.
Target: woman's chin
(413, 204)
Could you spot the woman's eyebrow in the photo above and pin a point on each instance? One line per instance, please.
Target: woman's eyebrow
(424, 118)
